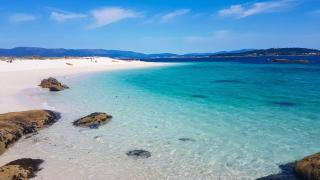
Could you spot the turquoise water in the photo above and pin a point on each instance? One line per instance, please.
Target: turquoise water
(243, 120)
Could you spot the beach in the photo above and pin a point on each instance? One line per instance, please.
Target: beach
(196, 120)
(21, 75)
(20, 90)
(160, 90)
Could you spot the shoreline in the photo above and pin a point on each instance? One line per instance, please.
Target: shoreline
(63, 148)
(22, 76)
(20, 92)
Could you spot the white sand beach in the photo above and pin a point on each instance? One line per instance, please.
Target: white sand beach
(24, 74)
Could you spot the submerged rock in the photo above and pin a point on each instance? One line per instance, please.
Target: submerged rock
(21, 169)
(290, 61)
(199, 96)
(286, 173)
(93, 120)
(16, 124)
(53, 84)
(228, 81)
(139, 154)
(284, 103)
(186, 139)
(309, 167)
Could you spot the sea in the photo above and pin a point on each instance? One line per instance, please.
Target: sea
(211, 118)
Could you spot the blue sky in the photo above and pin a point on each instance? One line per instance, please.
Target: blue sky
(155, 26)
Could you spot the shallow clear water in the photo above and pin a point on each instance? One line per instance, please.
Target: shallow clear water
(243, 120)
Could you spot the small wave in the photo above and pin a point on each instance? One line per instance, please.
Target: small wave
(45, 105)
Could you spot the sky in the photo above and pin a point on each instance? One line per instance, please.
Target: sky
(159, 26)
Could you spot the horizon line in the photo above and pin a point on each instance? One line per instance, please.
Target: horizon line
(212, 52)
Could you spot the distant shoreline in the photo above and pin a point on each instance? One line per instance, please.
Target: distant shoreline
(135, 59)
(268, 56)
(120, 54)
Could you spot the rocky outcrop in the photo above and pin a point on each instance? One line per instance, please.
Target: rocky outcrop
(21, 169)
(229, 81)
(93, 120)
(53, 84)
(139, 154)
(290, 61)
(16, 124)
(308, 168)
(199, 96)
(187, 139)
(286, 173)
(284, 103)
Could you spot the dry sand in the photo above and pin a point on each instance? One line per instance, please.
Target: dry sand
(21, 75)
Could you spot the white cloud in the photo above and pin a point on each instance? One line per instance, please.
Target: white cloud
(317, 12)
(21, 17)
(106, 16)
(234, 10)
(65, 16)
(242, 11)
(174, 14)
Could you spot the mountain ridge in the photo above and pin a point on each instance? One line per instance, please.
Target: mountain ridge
(273, 52)
(61, 52)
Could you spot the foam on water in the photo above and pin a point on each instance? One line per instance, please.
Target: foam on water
(235, 121)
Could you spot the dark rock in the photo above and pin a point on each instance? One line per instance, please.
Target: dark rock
(53, 84)
(228, 81)
(284, 103)
(21, 169)
(279, 82)
(94, 126)
(308, 168)
(31, 135)
(16, 124)
(186, 139)
(139, 154)
(286, 173)
(93, 120)
(199, 96)
(290, 61)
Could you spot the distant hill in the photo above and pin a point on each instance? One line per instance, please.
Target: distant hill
(33, 51)
(274, 52)
(60, 52)
(217, 53)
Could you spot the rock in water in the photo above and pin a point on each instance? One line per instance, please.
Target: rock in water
(309, 167)
(53, 84)
(21, 169)
(286, 173)
(284, 103)
(186, 139)
(290, 61)
(228, 81)
(199, 96)
(93, 120)
(139, 154)
(16, 124)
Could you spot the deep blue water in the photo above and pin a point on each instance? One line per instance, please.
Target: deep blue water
(313, 60)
